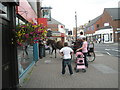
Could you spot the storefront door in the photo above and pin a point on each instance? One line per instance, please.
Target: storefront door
(9, 54)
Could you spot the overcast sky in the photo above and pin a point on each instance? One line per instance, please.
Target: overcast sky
(64, 10)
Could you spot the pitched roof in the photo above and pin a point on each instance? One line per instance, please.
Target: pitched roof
(93, 21)
(53, 21)
(114, 13)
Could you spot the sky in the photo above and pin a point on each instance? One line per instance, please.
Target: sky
(64, 10)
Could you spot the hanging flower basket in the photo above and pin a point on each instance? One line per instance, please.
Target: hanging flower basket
(30, 33)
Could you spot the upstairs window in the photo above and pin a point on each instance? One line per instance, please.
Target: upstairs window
(3, 11)
(97, 25)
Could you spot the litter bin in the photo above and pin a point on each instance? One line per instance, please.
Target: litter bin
(41, 50)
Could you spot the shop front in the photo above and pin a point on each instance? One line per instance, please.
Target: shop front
(62, 37)
(58, 36)
(117, 35)
(27, 53)
(8, 62)
(90, 37)
(105, 35)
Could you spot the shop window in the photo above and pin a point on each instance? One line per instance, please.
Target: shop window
(111, 37)
(19, 21)
(3, 11)
(106, 37)
(25, 53)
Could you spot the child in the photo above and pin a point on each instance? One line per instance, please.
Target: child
(66, 53)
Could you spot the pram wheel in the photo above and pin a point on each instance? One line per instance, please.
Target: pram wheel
(83, 70)
(76, 70)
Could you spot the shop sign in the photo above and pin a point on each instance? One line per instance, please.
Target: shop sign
(56, 34)
(42, 21)
(46, 13)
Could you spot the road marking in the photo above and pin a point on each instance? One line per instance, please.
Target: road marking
(103, 68)
(108, 53)
(107, 49)
(112, 50)
(116, 50)
(99, 54)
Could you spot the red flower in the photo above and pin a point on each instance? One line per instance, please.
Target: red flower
(27, 35)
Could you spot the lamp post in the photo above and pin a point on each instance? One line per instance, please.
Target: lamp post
(76, 23)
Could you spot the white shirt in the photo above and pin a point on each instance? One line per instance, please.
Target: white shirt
(81, 36)
(69, 44)
(66, 51)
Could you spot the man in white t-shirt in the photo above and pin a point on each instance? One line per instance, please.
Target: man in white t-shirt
(66, 52)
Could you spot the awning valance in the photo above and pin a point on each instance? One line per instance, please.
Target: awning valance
(104, 31)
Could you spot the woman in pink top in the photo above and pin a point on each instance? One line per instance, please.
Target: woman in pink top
(84, 50)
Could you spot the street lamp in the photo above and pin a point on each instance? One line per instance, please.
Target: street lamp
(76, 23)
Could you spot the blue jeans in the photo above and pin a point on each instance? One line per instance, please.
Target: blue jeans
(64, 63)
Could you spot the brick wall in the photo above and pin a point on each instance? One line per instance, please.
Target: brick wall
(114, 23)
(53, 27)
(106, 18)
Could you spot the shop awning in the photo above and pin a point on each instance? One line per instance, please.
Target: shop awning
(104, 31)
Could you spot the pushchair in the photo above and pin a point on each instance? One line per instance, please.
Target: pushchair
(80, 63)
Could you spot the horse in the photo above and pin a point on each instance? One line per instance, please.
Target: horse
(77, 44)
(55, 45)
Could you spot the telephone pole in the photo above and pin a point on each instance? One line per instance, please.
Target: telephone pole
(76, 23)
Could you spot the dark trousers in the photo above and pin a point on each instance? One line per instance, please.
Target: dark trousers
(86, 62)
(68, 63)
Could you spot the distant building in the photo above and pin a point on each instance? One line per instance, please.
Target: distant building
(106, 26)
(91, 27)
(58, 29)
(79, 29)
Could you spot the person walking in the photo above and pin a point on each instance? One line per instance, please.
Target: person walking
(25, 49)
(66, 52)
(84, 50)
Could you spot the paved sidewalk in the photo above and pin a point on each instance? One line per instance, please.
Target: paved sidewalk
(47, 74)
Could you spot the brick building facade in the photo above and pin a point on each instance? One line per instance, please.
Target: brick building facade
(58, 29)
(106, 26)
